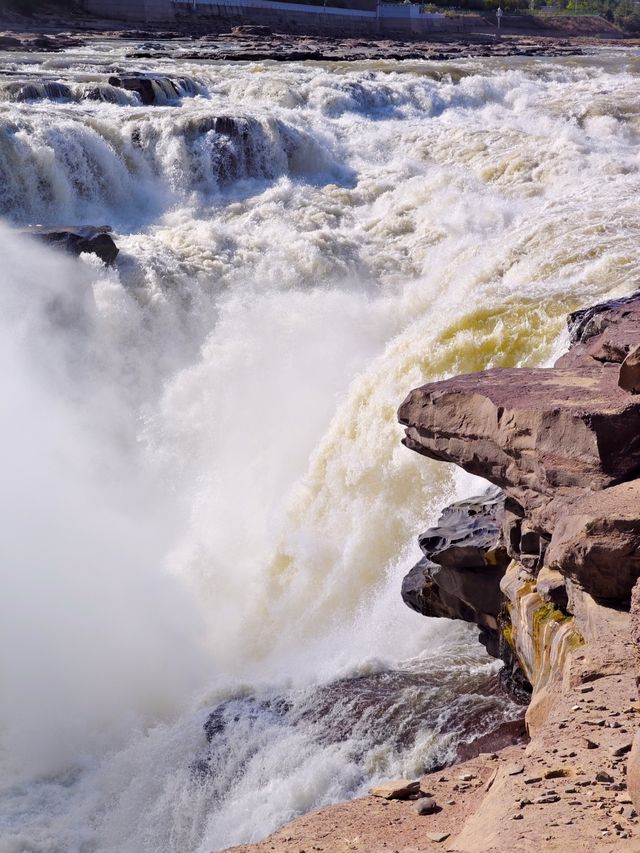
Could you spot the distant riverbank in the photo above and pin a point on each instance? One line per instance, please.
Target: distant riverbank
(243, 44)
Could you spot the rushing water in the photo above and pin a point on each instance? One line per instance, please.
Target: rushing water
(206, 508)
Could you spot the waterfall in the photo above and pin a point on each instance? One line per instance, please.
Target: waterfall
(206, 505)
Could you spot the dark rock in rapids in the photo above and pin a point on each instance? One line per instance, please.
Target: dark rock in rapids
(465, 559)
(42, 42)
(151, 90)
(94, 240)
(25, 91)
(102, 92)
(251, 30)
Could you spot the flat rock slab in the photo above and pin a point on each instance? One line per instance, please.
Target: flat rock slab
(399, 789)
(534, 429)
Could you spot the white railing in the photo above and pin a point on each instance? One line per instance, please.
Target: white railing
(230, 5)
(384, 10)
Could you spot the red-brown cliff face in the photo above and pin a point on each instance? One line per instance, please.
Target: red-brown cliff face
(563, 444)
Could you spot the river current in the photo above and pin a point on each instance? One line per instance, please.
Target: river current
(206, 508)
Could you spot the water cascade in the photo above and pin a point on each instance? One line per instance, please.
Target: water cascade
(207, 509)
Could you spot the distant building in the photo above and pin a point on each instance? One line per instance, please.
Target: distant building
(366, 5)
(337, 17)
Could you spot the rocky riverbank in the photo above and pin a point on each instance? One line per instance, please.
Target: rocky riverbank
(251, 44)
(546, 563)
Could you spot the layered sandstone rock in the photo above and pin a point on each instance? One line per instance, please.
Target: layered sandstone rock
(597, 543)
(546, 568)
(557, 441)
(464, 560)
(629, 379)
(564, 445)
(533, 432)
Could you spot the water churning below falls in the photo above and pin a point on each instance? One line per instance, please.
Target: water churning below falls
(207, 511)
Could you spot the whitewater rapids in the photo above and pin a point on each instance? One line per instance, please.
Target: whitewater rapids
(206, 508)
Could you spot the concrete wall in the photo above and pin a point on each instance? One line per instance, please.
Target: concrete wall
(276, 7)
(388, 19)
(151, 11)
(283, 15)
(297, 17)
(366, 5)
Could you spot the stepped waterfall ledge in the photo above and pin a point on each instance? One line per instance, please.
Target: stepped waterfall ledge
(237, 612)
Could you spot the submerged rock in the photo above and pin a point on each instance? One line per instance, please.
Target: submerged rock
(94, 240)
(34, 91)
(155, 89)
(150, 90)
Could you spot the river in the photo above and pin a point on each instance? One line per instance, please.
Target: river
(207, 511)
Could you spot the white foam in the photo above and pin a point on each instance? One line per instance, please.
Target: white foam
(204, 491)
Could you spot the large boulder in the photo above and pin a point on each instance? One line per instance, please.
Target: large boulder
(155, 89)
(597, 543)
(629, 377)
